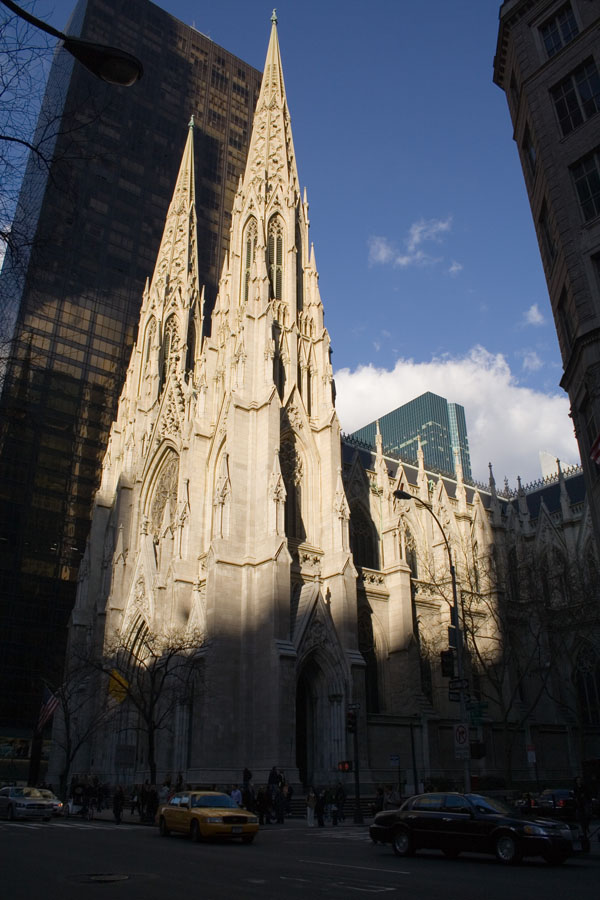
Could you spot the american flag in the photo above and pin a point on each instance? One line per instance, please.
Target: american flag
(49, 704)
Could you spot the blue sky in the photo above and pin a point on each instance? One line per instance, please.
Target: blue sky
(429, 268)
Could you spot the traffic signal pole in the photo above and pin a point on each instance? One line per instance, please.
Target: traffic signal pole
(358, 818)
(352, 728)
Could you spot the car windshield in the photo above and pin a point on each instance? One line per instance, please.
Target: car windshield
(26, 792)
(490, 805)
(215, 801)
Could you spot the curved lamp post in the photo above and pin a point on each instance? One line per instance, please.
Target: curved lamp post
(108, 63)
(454, 618)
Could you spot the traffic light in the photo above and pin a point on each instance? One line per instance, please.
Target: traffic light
(345, 765)
(447, 662)
(351, 721)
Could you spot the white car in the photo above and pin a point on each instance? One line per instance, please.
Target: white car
(24, 803)
(58, 807)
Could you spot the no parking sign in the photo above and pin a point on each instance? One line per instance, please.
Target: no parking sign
(462, 747)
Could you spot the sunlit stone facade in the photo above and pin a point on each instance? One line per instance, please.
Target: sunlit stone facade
(231, 507)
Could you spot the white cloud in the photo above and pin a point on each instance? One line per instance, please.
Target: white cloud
(383, 252)
(532, 362)
(533, 316)
(507, 424)
(455, 268)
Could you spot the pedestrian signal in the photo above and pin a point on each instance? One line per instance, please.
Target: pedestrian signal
(345, 765)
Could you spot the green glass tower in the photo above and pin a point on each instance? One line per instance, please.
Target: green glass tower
(440, 425)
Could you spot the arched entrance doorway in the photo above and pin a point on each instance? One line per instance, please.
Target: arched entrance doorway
(320, 733)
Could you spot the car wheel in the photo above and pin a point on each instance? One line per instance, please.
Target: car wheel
(162, 827)
(402, 842)
(247, 838)
(507, 851)
(195, 831)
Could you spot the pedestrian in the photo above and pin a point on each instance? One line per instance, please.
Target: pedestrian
(236, 795)
(118, 802)
(246, 778)
(263, 805)
(583, 810)
(320, 809)
(311, 802)
(340, 800)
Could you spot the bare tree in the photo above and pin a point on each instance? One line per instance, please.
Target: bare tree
(77, 721)
(149, 676)
(505, 627)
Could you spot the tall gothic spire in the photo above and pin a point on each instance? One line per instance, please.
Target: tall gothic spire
(271, 158)
(176, 269)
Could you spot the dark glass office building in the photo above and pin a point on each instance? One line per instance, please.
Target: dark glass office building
(95, 223)
(441, 426)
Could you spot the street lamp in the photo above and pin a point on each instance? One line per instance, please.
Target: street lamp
(108, 63)
(454, 618)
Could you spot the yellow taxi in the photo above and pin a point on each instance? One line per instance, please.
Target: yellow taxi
(206, 814)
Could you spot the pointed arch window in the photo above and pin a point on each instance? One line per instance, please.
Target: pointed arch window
(275, 257)
(362, 538)
(249, 255)
(150, 335)
(190, 361)
(170, 344)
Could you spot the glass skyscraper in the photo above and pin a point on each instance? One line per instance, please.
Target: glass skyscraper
(440, 425)
(95, 222)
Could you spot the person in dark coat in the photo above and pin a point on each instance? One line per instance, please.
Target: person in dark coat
(118, 803)
(320, 809)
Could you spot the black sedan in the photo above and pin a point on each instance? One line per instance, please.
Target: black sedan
(454, 823)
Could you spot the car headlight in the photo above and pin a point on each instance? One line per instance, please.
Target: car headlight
(535, 829)
(214, 820)
(252, 820)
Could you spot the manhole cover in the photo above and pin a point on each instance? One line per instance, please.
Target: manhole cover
(101, 877)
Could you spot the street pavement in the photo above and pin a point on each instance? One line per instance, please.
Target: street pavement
(299, 823)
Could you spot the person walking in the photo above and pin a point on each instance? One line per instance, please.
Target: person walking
(311, 802)
(320, 809)
(118, 803)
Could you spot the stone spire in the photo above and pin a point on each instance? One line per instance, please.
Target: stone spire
(271, 157)
(176, 280)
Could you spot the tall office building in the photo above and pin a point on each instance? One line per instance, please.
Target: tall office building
(547, 62)
(440, 426)
(96, 222)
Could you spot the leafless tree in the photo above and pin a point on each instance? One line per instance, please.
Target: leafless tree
(148, 676)
(76, 720)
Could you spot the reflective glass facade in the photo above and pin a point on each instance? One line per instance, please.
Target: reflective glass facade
(441, 426)
(95, 226)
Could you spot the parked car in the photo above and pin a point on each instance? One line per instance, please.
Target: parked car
(206, 814)
(24, 803)
(57, 804)
(456, 823)
(558, 803)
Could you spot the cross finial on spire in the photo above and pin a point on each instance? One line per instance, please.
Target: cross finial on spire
(274, 17)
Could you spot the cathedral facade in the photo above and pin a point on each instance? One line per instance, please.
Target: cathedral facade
(234, 520)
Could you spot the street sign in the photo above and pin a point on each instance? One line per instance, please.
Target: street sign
(462, 747)
(458, 684)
